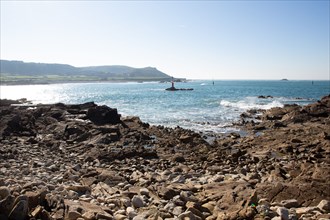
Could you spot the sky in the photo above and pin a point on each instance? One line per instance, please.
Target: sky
(190, 39)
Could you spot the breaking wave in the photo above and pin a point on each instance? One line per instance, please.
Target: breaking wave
(251, 103)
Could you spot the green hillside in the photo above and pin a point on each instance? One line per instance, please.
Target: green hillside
(19, 72)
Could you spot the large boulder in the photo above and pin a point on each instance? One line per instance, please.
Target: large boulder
(101, 115)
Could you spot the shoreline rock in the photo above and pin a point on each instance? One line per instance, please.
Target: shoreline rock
(87, 162)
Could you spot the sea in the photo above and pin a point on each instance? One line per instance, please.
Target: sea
(212, 106)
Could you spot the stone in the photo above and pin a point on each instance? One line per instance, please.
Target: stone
(179, 179)
(4, 192)
(101, 115)
(131, 213)
(120, 217)
(305, 210)
(189, 215)
(324, 206)
(248, 212)
(178, 158)
(137, 201)
(7, 204)
(196, 212)
(291, 203)
(144, 192)
(79, 189)
(73, 215)
(263, 209)
(283, 213)
(72, 194)
(20, 211)
(104, 216)
(167, 193)
(209, 206)
(111, 178)
(89, 215)
(35, 198)
(177, 210)
(36, 211)
(186, 138)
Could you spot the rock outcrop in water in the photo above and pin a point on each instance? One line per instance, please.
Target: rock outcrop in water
(86, 162)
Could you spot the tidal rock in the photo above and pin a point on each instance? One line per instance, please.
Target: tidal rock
(101, 115)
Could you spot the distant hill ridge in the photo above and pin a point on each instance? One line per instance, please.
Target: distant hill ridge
(20, 68)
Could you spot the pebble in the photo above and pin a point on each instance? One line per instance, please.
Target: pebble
(324, 206)
(283, 213)
(4, 192)
(144, 192)
(291, 203)
(137, 201)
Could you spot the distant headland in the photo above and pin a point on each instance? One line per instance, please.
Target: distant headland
(19, 72)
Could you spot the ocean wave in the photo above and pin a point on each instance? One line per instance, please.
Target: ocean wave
(251, 103)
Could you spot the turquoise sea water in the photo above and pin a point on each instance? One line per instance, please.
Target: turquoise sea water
(207, 108)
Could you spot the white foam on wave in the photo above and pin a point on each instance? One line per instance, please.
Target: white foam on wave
(251, 103)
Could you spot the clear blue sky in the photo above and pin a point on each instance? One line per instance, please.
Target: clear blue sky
(192, 39)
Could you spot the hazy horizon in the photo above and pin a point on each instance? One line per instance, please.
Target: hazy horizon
(225, 40)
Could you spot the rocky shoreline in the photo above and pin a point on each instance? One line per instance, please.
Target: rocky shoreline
(87, 162)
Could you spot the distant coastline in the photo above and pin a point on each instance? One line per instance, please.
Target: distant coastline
(23, 73)
(37, 82)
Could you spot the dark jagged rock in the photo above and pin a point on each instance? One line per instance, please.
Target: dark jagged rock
(101, 115)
